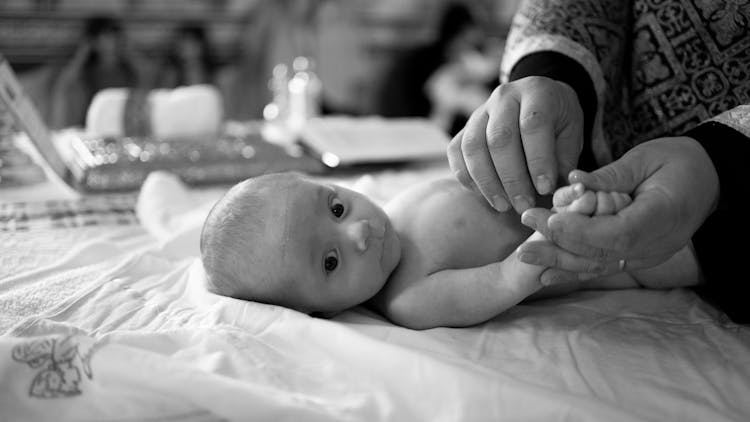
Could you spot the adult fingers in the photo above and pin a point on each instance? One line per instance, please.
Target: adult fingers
(558, 276)
(546, 254)
(506, 150)
(457, 163)
(569, 129)
(537, 118)
(536, 219)
(479, 163)
(630, 233)
(553, 276)
(568, 233)
(623, 175)
(534, 165)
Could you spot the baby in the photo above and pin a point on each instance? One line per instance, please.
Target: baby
(436, 255)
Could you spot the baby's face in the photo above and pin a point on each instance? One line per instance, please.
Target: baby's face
(335, 247)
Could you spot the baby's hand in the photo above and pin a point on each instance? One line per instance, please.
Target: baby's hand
(575, 198)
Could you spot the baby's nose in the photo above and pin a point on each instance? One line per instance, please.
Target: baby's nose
(359, 233)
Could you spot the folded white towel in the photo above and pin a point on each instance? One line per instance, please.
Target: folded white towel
(186, 112)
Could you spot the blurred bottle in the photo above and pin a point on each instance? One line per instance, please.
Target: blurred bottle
(278, 109)
(304, 94)
(276, 113)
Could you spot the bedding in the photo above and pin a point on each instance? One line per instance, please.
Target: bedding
(109, 320)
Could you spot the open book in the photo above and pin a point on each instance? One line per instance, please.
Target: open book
(351, 140)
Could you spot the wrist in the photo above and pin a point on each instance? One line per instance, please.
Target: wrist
(706, 165)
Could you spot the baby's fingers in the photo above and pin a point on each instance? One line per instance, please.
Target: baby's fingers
(621, 200)
(608, 203)
(566, 195)
(605, 203)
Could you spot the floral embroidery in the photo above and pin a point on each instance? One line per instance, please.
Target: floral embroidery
(664, 67)
(728, 20)
(60, 363)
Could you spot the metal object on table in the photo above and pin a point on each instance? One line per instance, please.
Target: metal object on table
(115, 164)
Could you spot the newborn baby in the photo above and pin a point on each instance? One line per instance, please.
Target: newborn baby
(436, 255)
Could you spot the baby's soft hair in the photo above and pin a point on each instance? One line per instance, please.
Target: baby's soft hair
(232, 231)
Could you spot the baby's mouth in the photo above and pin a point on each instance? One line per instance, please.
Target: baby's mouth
(372, 230)
(377, 228)
(376, 231)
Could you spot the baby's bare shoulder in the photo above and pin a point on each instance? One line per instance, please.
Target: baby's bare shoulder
(434, 195)
(448, 226)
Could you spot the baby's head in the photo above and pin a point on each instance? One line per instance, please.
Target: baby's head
(286, 240)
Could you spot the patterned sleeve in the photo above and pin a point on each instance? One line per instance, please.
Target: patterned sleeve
(593, 33)
(719, 243)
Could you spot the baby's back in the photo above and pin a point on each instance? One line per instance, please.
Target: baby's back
(442, 226)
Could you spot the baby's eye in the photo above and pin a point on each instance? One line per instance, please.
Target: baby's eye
(331, 261)
(337, 207)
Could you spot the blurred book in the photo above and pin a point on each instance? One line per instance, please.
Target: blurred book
(342, 141)
(106, 164)
(17, 168)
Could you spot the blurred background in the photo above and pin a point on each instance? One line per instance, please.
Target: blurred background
(386, 57)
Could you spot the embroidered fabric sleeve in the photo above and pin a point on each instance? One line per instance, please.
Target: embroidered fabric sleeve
(591, 32)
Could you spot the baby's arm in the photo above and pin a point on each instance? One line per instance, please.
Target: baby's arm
(468, 296)
(459, 297)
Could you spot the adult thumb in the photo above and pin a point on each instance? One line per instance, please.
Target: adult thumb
(617, 176)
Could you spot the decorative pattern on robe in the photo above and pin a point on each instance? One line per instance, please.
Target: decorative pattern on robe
(659, 67)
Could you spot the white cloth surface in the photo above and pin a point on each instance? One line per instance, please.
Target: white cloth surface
(140, 337)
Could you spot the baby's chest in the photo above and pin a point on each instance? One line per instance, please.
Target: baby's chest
(458, 238)
(454, 230)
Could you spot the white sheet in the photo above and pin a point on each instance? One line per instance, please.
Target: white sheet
(140, 338)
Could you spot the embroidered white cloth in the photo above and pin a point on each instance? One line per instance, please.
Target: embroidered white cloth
(141, 339)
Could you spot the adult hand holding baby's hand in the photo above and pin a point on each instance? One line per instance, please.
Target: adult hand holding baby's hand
(529, 132)
(674, 187)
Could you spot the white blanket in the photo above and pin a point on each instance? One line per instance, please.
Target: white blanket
(138, 337)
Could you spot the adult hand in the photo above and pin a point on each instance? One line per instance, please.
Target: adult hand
(526, 135)
(674, 187)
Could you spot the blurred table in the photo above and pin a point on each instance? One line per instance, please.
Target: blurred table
(42, 201)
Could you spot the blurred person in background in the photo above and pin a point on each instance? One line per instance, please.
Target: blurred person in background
(462, 84)
(189, 58)
(102, 60)
(445, 79)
